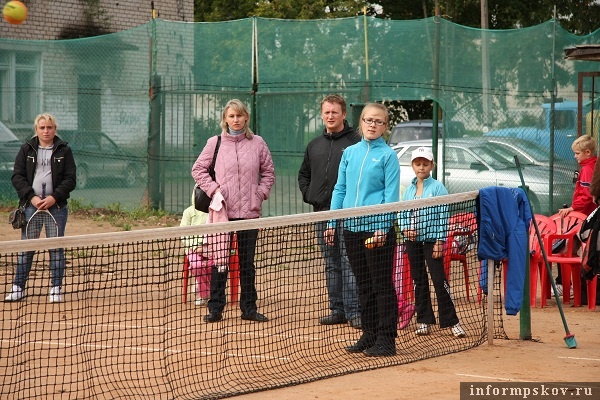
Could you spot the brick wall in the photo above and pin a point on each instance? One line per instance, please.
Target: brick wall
(56, 19)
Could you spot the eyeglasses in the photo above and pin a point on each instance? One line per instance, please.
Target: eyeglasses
(377, 122)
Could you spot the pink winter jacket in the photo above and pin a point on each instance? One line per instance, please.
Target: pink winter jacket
(244, 172)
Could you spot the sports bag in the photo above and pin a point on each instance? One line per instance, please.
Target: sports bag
(17, 218)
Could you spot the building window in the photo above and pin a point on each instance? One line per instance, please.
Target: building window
(19, 87)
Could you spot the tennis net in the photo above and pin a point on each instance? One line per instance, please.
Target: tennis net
(129, 327)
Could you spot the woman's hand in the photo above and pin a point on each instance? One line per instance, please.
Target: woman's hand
(438, 249)
(329, 236)
(410, 234)
(43, 204)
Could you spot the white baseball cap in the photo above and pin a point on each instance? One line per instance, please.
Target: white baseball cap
(422, 152)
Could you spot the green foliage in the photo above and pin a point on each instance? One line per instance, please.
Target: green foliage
(9, 202)
(77, 205)
(117, 215)
(577, 16)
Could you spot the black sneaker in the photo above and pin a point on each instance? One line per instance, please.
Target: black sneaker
(381, 350)
(333, 319)
(366, 341)
(255, 316)
(213, 317)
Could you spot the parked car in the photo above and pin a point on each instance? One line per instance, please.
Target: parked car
(98, 157)
(413, 130)
(474, 163)
(9, 147)
(532, 153)
(565, 128)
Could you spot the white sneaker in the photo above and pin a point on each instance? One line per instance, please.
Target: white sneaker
(559, 290)
(423, 329)
(458, 331)
(55, 295)
(16, 294)
(571, 293)
(201, 302)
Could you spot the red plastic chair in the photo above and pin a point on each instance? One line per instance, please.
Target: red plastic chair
(567, 228)
(591, 293)
(234, 273)
(537, 266)
(570, 271)
(459, 224)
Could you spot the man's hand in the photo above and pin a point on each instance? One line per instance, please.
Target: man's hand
(329, 235)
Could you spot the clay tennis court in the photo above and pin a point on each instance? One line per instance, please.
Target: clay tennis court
(192, 343)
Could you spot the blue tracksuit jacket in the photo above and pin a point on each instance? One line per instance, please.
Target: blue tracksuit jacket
(369, 174)
(503, 217)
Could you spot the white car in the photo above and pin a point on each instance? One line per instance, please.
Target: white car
(468, 164)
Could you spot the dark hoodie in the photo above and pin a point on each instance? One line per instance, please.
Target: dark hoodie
(319, 170)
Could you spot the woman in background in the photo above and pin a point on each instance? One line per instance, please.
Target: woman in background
(244, 175)
(44, 175)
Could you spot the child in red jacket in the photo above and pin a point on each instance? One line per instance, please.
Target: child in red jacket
(584, 149)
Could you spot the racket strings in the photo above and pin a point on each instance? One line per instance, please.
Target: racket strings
(41, 221)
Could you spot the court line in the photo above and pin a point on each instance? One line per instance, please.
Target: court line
(491, 377)
(581, 358)
(519, 380)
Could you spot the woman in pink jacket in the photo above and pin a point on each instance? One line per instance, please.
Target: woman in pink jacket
(244, 176)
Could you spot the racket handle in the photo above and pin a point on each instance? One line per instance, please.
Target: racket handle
(43, 191)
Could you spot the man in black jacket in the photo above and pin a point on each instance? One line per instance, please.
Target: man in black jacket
(316, 178)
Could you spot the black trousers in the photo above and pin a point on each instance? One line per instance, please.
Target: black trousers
(420, 257)
(373, 271)
(246, 250)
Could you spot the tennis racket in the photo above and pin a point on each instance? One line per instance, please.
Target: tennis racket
(41, 221)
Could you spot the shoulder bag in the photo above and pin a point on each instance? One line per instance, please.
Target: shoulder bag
(201, 199)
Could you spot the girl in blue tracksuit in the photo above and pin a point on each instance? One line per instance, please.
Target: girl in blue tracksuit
(425, 232)
(369, 174)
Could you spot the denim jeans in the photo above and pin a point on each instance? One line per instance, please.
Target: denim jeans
(57, 256)
(340, 281)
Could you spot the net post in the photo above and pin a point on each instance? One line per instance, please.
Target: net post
(490, 316)
(525, 313)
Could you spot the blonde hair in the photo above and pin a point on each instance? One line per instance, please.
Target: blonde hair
(237, 106)
(585, 142)
(377, 106)
(44, 116)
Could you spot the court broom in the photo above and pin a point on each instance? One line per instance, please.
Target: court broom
(569, 338)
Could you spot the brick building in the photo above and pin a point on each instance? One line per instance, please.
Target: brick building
(99, 83)
(68, 19)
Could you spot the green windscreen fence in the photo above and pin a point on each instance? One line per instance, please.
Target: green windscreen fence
(138, 106)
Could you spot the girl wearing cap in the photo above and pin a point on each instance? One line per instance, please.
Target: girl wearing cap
(424, 231)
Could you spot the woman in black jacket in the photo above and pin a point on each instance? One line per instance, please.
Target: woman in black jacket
(44, 161)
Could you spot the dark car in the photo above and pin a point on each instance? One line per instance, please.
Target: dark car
(9, 147)
(413, 130)
(98, 157)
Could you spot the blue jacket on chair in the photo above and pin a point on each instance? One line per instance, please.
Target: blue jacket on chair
(503, 217)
